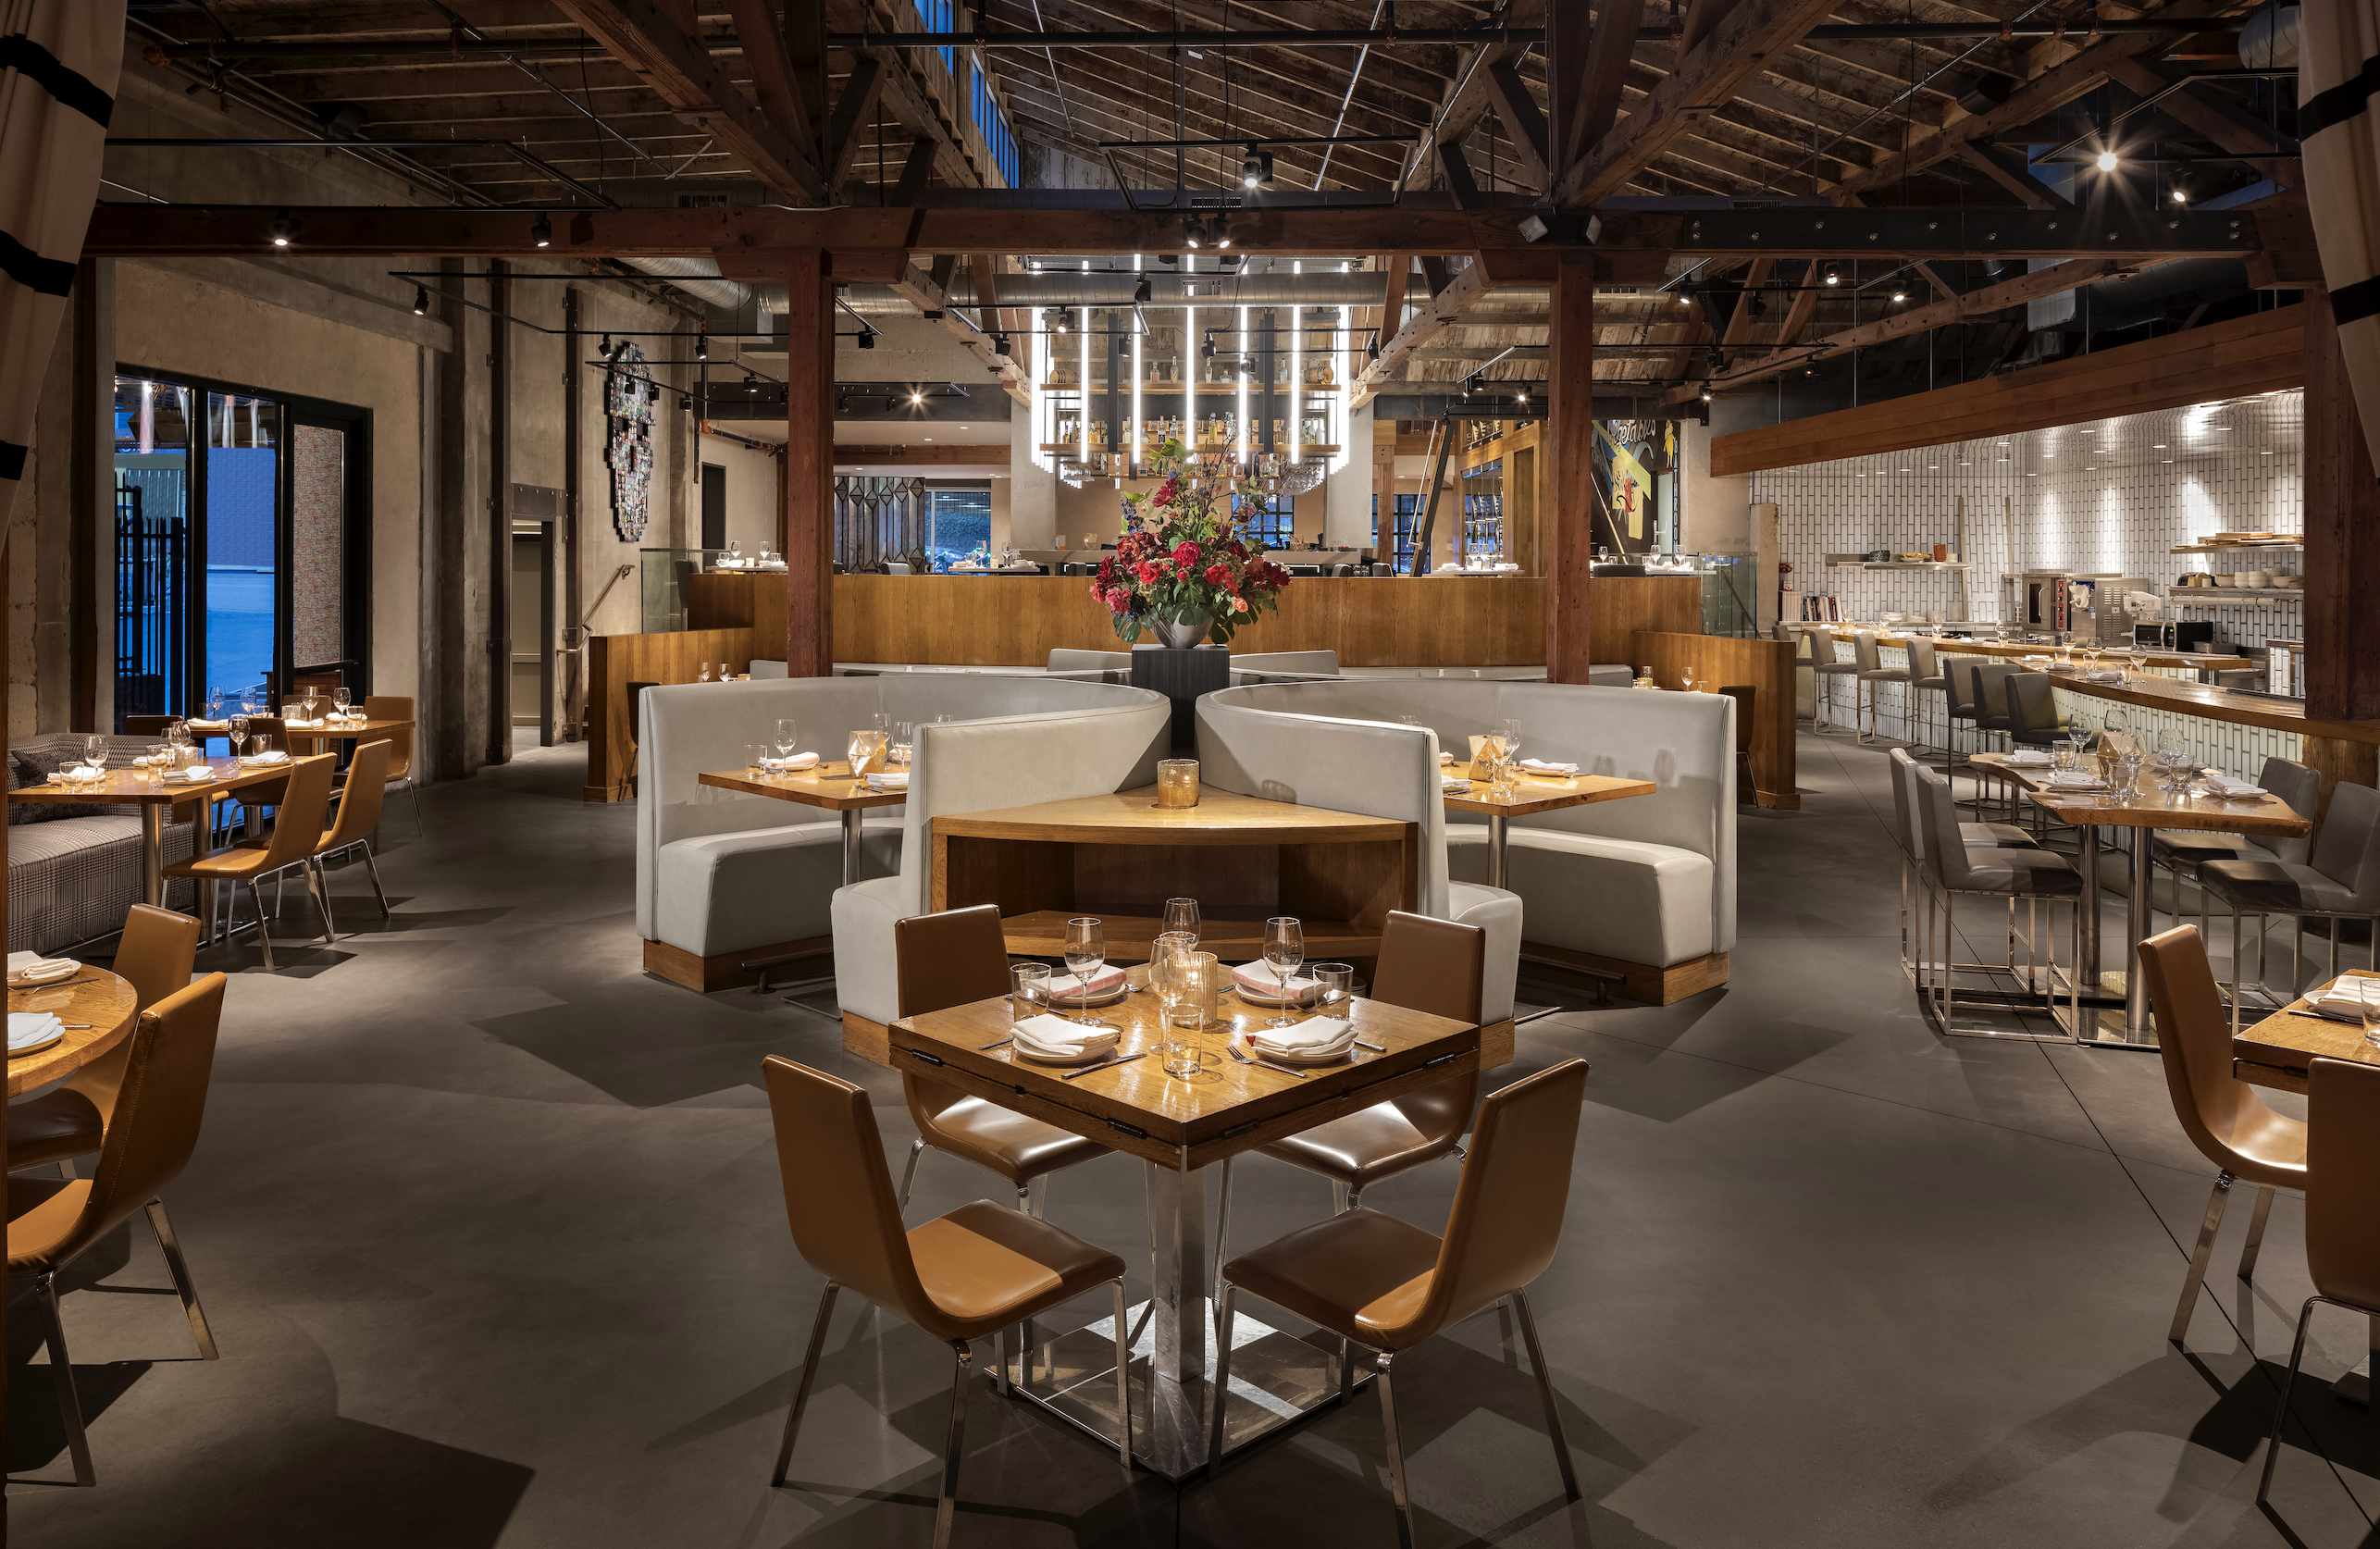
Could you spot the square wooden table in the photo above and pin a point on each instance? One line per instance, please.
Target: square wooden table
(125, 787)
(830, 786)
(339, 731)
(1178, 1126)
(2277, 1051)
(1534, 793)
(2142, 809)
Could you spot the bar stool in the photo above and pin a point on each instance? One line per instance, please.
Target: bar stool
(2182, 850)
(1911, 837)
(1926, 676)
(1827, 663)
(2341, 881)
(2034, 718)
(1958, 708)
(1991, 719)
(1870, 659)
(2008, 873)
(2342, 1210)
(2223, 1116)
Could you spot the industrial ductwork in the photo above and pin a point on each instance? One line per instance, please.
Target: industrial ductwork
(700, 277)
(1115, 290)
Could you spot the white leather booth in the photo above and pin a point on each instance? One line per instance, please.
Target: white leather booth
(723, 876)
(1645, 886)
(1358, 765)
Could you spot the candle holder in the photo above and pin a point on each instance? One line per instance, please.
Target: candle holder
(1177, 781)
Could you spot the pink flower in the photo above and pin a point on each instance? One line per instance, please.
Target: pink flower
(1185, 556)
(1116, 599)
(1239, 604)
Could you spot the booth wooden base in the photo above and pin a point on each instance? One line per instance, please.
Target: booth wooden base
(1656, 986)
(725, 971)
(872, 1041)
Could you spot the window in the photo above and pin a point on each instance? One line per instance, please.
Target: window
(958, 522)
(994, 126)
(937, 17)
(1271, 521)
(1406, 513)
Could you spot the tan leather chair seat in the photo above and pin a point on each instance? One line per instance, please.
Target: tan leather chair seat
(41, 1217)
(1009, 1142)
(985, 1266)
(54, 1127)
(1361, 1147)
(1361, 1274)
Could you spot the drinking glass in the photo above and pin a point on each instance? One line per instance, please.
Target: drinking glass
(753, 753)
(239, 724)
(2062, 755)
(215, 704)
(1182, 918)
(160, 758)
(736, 550)
(703, 672)
(341, 697)
(1028, 990)
(904, 740)
(95, 758)
(788, 739)
(1284, 949)
(2367, 1000)
(1086, 953)
(1337, 981)
(311, 703)
(248, 702)
(726, 671)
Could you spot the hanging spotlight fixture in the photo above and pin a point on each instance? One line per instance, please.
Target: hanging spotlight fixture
(1707, 392)
(284, 230)
(1685, 300)
(606, 351)
(2181, 195)
(1900, 294)
(421, 301)
(1141, 293)
(542, 230)
(1000, 343)
(1832, 278)
(1194, 232)
(702, 346)
(1206, 346)
(867, 340)
(1371, 347)
(1223, 236)
(751, 383)
(2107, 161)
(1256, 168)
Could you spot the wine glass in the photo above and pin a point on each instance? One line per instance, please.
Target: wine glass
(2138, 657)
(2367, 1001)
(340, 698)
(238, 726)
(1182, 918)
(1284, 949)
(311, 703)
(904, 740)
(215, 704)
(1086, 953)
(94, 757)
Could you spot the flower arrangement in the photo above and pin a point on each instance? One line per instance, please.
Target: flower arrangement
(1184, 560)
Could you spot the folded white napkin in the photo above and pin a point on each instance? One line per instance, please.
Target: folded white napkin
(2076, 780)
(2103, 677)
(1546, 766)
(1444, 759)
(1258, 978)
(1048, 1037)
(789, 766)
(2338, 998)
(2225, 784)
(1066, 986)
(2027, 758)
(888, 779)
(1452, 784)
(34, 968)
(196, 725)
(276, 756)
(31, 1029)
(197, 774)
(81, 772)
(1317, 1038)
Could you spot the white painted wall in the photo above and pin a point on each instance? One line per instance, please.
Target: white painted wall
(752, 493)
(1347, 493)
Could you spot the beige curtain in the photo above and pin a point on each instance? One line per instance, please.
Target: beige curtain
(58, 61)
(2338, 69)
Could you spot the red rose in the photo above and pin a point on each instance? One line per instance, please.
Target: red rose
(1116, 600)
(1107, 571)
(1150, 572)
(1185, 556)
(1238, 551)
(1218, 575)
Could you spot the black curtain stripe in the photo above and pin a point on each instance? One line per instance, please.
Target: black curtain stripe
(12, 461)
(71, 88)
(2352, 304)
(49, 277)
(2336, 104)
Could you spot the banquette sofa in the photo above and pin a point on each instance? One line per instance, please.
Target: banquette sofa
(1644, 887)
(724, 878)
(74, 870)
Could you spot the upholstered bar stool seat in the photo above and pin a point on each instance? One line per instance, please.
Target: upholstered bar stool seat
(1825, 661)
(1870, 659)
(2182, 851)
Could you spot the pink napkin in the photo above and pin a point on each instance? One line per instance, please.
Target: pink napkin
(1065, 987)
(1258, 978)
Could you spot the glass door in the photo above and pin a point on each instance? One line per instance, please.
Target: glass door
(240, 608)
(152, 526)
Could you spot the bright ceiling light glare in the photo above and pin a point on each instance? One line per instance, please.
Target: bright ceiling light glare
(283, 229)
(542, 230)
(1194, 234)
(1898, 294)
(421, 301)
(2107, 161)
(2181, 197)
(1831, 277)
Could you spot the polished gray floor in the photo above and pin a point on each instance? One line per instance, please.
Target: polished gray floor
(488, 1225)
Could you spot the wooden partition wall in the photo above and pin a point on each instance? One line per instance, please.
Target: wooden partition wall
(1764, 665)
(615, 661)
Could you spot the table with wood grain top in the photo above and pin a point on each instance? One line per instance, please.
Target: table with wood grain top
(1120, 856)
(830, 786)
(2143, 809)
(1534, 793)
(335, 731)
(1177, 1125)
(92, 996)
(2277, 1051)
(129, 788)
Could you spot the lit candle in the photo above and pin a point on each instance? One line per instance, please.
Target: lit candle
(1177, 781)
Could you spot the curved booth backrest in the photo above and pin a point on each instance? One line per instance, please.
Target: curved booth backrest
(1323, 663)
(1349, 764)
(685, 730)
(1066, 659)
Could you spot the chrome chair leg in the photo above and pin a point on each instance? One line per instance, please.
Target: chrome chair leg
(263, 927)
(1222, 1379)
(1000, 1362)
(1381, 1362)
(1123, 1382)
(1222, 1231)
(319, 883)
(414, 791)
(1545, 1391)
(2281, 1410)
(373, 868)
(801, 1390)
(2255, 1233)
(1024, 1329)
(1339, 1198)
(78, 1446)
(947, 1508)
(2199, 1256)
(909, 1173)
(171, 1248)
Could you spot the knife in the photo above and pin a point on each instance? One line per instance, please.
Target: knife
(1104, 1065)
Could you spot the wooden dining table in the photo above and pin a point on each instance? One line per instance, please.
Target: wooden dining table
(1178, 1126)
(830, 786)
(1533, 793)
(156, 799)
(2143, 807)
(98, 1008)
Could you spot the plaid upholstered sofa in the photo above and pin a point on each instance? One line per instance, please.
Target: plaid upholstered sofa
(70, 879)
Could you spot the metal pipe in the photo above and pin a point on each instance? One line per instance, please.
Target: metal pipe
(696, 277)
(359, 146)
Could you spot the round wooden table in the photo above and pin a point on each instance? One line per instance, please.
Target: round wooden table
(93, 996)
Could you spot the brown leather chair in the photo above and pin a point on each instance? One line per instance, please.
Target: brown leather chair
(159, 1103)
(2225, 1118)
(1434, 966)
(154, 954)
(1387, 1285)
(351, 828)
(397, 707)
(948, 960)
(296, 828)
(2342, 1211)
(958, 1277)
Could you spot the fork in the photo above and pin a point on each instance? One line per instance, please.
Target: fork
(1246, 1059)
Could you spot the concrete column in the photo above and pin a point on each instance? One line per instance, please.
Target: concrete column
(810, 464)
(1033, 490)
(1347, 493)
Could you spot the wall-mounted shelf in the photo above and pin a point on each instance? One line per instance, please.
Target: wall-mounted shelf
(2257, 595)
(2231, 548)
(1895, 564)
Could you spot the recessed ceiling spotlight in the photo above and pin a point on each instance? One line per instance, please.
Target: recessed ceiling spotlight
(284, 230)
(542, 230)
(1831, 277)
(421, 301)
(2107, 161)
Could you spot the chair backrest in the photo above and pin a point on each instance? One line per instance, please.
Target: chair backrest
(2032, 703)
(2194, 1042)
(1438, 967)
(394, 707)
(1958, 688)
(1067, 659)
(155, 952)
(1865, 652)
(949, 959)
(1823, 647)
(1745, 696)
(2347, 849)
(159, 1102)
(1507, 1221)
(147, 725)
(297, 826)
(359, 799)
(1943, 848)
(1991, 704)
(2301, 788)
(267, 732)
(1905, 833)
(838, 1196)
(1923, 663)
(2343, 1180)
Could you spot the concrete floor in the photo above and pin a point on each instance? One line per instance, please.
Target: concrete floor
(489, 1226)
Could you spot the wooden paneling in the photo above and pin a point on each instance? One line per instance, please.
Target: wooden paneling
(1767, 666)
(1655, 986)
(2257, 353)
(733, 601)
(1624, 604)
(615, 661)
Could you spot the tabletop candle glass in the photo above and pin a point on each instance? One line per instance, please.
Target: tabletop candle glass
(1028, 990)
(161, 758)
(1177, 781)
(1086, 953)
(865, 750)
(1284, 949)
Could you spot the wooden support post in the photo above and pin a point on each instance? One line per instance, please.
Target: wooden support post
(1568, 530)
(809, 465)
(2342, 535)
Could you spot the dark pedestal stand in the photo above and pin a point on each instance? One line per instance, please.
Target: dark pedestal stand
(1183, 675)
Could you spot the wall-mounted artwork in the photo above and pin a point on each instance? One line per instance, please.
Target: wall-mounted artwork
(629, 399)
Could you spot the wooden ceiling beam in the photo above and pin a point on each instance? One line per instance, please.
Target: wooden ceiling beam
(1120, 110)
(929, 293)
(1467, 96)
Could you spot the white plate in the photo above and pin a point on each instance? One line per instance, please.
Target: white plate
(1260, 998)
(1108, 1053)
(16, 1048)
(1060, 1005)
(66, 968)
(1255, 1053)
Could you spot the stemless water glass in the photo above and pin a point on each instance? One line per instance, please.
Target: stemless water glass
(1028, 990)
(726, 671)
(1182, 918)
(1284, 949)
(904, 740)
(754, 752)
(2367, 1002)
(703, 672)
(1336, 983)
(1086, 953)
